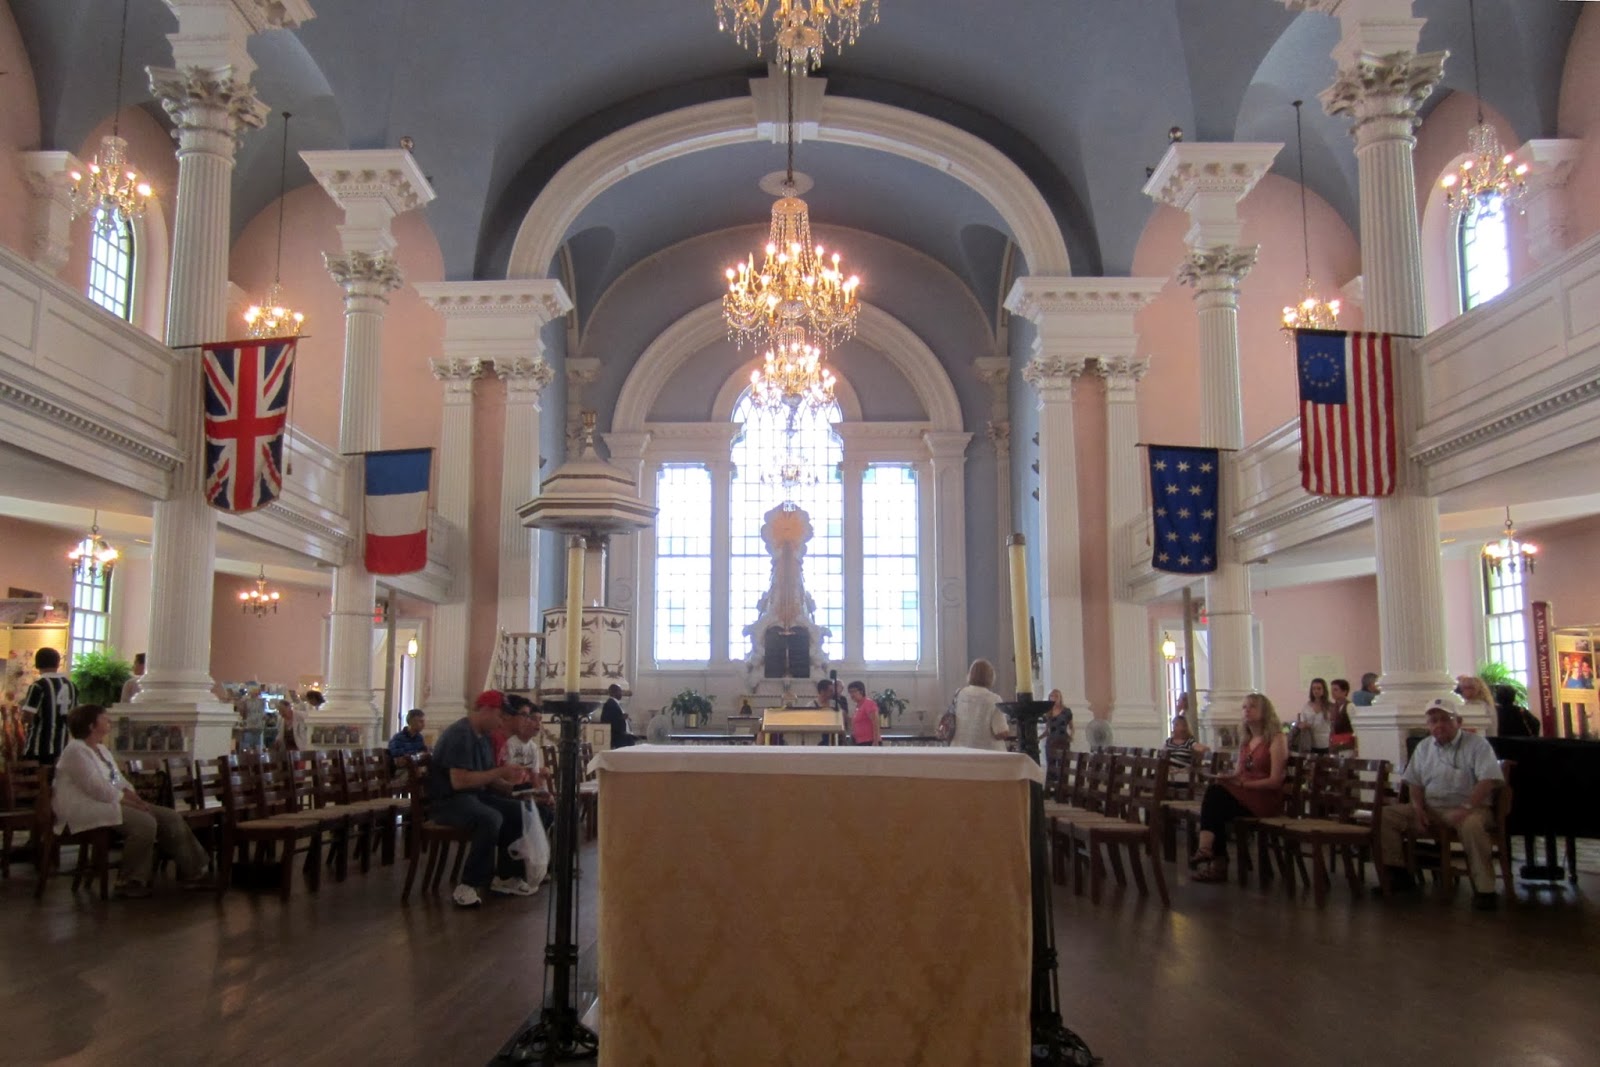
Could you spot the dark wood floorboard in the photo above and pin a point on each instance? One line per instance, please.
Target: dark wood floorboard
(1228, 977)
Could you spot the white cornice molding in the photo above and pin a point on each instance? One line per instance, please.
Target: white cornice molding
(1582, 390)
(372, 186)
(719, 124)
(1207, 181)
(540, 299)
(1083, 317)
(59, 411)
(213, 33)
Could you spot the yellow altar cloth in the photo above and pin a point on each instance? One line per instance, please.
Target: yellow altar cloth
(814, 906)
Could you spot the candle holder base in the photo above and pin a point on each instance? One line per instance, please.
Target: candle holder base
(1053, 1044)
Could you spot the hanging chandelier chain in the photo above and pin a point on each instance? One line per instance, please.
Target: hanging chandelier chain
(283, 186)
(1300, 152)
(1477, 66)
(122, 53)
(789, 132)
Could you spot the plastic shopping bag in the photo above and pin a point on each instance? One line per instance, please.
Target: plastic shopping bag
(533, 847)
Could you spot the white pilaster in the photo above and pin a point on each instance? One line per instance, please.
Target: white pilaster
(851, 470)
(995, 372)
(947, 453)
(211, 104)
(447, 644)
(1546, 207)
(1207, 181)
(371, 187)
(632, 552)
(49, 177)
(1382, 82)
(525, 380)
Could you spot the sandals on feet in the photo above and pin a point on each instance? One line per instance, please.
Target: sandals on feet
(1199, 859)
(1211, 871)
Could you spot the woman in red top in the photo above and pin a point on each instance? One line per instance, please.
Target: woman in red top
(864, 727)
(1254, 789)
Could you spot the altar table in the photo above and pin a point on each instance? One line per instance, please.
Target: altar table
(815, 906)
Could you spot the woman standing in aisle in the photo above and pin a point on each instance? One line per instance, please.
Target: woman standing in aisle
(979, 721)
(1315, 720)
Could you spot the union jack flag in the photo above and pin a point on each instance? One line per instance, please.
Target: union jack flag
(247, 408)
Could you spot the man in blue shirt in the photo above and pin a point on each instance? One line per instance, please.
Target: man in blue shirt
(466, 789)
(409, 742)
(1362, 698)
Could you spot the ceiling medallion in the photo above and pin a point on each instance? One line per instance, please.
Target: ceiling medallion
(1312, 312)
(1489, 177)
(801, 29)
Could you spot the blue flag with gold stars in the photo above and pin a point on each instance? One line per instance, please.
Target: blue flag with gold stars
(1183, 491)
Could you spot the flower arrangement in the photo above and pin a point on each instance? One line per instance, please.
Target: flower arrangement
(695, 708)
(889, 704)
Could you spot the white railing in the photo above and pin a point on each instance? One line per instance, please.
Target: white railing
(79, 385)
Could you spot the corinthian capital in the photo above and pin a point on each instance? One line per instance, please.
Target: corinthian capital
(457, 375)
(1123, 371)
(1383, 92)
(364, 273)
(1222, 267)
(207, 100)
(525, 378)
(1053, 376)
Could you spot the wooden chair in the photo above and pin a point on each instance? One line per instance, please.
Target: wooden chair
(23, 781)
(1335, 797)
(431, 838)
(1138, 828)
(1179, 812)
(1096, 800)
(1295, 777)
(94, 847)
(264, 813)
(1452, 856)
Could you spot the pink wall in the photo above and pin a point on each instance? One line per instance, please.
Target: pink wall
(1566, 572)
(277, 649)
(1169, 410)
(1324, 618)
(1463, 615)
(412, 331)
(1579, 117)
(35, 558)
(19, 132)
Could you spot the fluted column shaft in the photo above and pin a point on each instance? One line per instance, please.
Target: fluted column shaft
(367, 280)
(947, 454)
(999, 431)
(1382, 94)
(525, 381)
(210, 108)
(1060, 617)
(447, 647)
(1133, 700)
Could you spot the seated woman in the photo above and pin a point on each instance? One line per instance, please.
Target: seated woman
(90, 792)
(1254, 789)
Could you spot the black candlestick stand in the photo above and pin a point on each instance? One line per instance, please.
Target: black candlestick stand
(556, 1035)
(1053, 1044)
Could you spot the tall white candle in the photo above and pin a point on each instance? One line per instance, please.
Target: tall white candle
(1016, 547)
(574, 611)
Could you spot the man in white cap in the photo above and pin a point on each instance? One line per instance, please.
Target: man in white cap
(1452, 776)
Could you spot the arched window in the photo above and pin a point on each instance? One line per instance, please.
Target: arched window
(111, 266)
(1483, 250)
(813, 452)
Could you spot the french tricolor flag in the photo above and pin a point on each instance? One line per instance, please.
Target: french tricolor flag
(397, 510)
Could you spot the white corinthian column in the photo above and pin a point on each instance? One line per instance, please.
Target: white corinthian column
(372, 187)
(207, 94)
(1207, 181)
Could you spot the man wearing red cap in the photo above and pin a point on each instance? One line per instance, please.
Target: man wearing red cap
(466, 789)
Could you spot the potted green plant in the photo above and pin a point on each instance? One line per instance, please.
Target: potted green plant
(99, 677)
(1495, 674)
(694, 707)
(889, 704)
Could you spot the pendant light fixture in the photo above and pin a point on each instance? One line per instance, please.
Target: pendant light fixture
(273, 318)
(1489, 174)
(1312, 312)
(111, 191)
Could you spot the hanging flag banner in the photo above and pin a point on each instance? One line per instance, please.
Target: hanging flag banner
(246, 413)
(1184, 489)
(1347, 412)
(397, 510)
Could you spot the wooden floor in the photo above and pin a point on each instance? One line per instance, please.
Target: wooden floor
(1227, 977)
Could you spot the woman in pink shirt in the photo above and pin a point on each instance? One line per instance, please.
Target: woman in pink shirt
(864, 728)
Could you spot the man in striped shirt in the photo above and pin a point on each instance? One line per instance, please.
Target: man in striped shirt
(46, 705)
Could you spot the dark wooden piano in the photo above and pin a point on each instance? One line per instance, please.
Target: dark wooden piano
(1555, 789)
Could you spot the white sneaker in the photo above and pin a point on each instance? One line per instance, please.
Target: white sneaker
(514, 887)
(465, 896)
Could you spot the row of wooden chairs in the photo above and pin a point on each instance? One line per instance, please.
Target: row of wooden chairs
(1109, 803)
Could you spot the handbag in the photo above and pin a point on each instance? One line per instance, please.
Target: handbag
(946, 731)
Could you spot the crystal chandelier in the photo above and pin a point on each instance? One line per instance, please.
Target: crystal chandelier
(796, 285)
(1488, 172)
(111, 191)
(272, 318)
(792, 376)
(1312, 312)
(1507, 551)
(93, 557)
(801, 29)
(260, 600)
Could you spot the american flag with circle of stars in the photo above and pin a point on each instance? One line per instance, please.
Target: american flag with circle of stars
(1183, 505)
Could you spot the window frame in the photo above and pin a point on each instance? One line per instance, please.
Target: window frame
(1468, 263)
(1506, 630)
(89, 620)
(122, 272)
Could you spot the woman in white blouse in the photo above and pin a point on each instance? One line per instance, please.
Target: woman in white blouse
(979, 721)
(89, 792)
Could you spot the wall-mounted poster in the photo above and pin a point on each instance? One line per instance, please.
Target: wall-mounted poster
(1573, 660)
